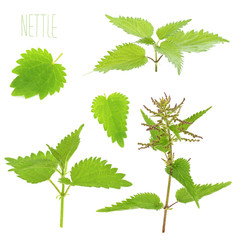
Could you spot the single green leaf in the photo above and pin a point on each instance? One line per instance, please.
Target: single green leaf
(196, 41)
(112, 113)
(190, 120)
(172, 52)
(37, 75)
(124, 57)
(94, 172)
(154, 135)
(180, 170)
(183, 196)
(170, 29)
(135, 26)
(146, 40)
(64, 180)
(141, 200)
(66, 147)
(34, 169)
(174, 129)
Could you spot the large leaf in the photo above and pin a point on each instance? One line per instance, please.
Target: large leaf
(135, 26)
(37, 75)
(172, 52)
(124, 57)
(196, 41)
(66, 147)
(94, 172)
(183, 196)
(180, 170)
(190, 120)
(141, 200)
(163, 142)
(34, 169)
(170, 29)
(112, 113)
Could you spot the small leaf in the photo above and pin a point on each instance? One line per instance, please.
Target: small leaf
(94, 172)
(183, 196)
(180, 170)
(146, 40)
(124, 57)
(174, 129)
(64, 180)
(34, 169)
(112, 113)
(196, 41)
(170, 29)
(66, 147)
(163, 141)
(172, 52)
(135, 26)
(141, 200)
(190, 120)
(37, 75)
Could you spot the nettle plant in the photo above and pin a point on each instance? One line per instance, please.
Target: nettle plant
(38, 74)
(171, 42)
(167, 130)
(90, 172)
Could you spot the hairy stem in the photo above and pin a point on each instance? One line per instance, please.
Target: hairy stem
(169, 162)
(58, 58)
(166, 204)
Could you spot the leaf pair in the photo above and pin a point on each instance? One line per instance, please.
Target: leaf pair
(171, 43)
(91, 172)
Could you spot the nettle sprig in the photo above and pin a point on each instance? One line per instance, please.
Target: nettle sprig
(171, 42)
(165, 131)
(90, 172)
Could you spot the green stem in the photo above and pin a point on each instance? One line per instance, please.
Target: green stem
(58, 58)
(54, 186)
(62, 205)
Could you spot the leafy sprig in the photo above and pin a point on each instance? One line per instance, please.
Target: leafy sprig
(172, 42)
(91, 172)
(164, 132)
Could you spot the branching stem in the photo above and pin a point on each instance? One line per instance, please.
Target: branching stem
(62, 199)
(54, 186)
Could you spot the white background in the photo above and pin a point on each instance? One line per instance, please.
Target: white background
(84, 35)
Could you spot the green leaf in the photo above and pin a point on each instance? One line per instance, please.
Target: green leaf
(94, 172)
(64, 180)
(196, 41)
(172, 52)
(66, 148)
(34, 169)
(183, 196)
(174, 129)
(135, 26)
(112, 113)
(154, 135)
(180, 170)
(170, 29)
(184, 126)
(124, 57)
(37, 75)
(141, 200)
(147, 41)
